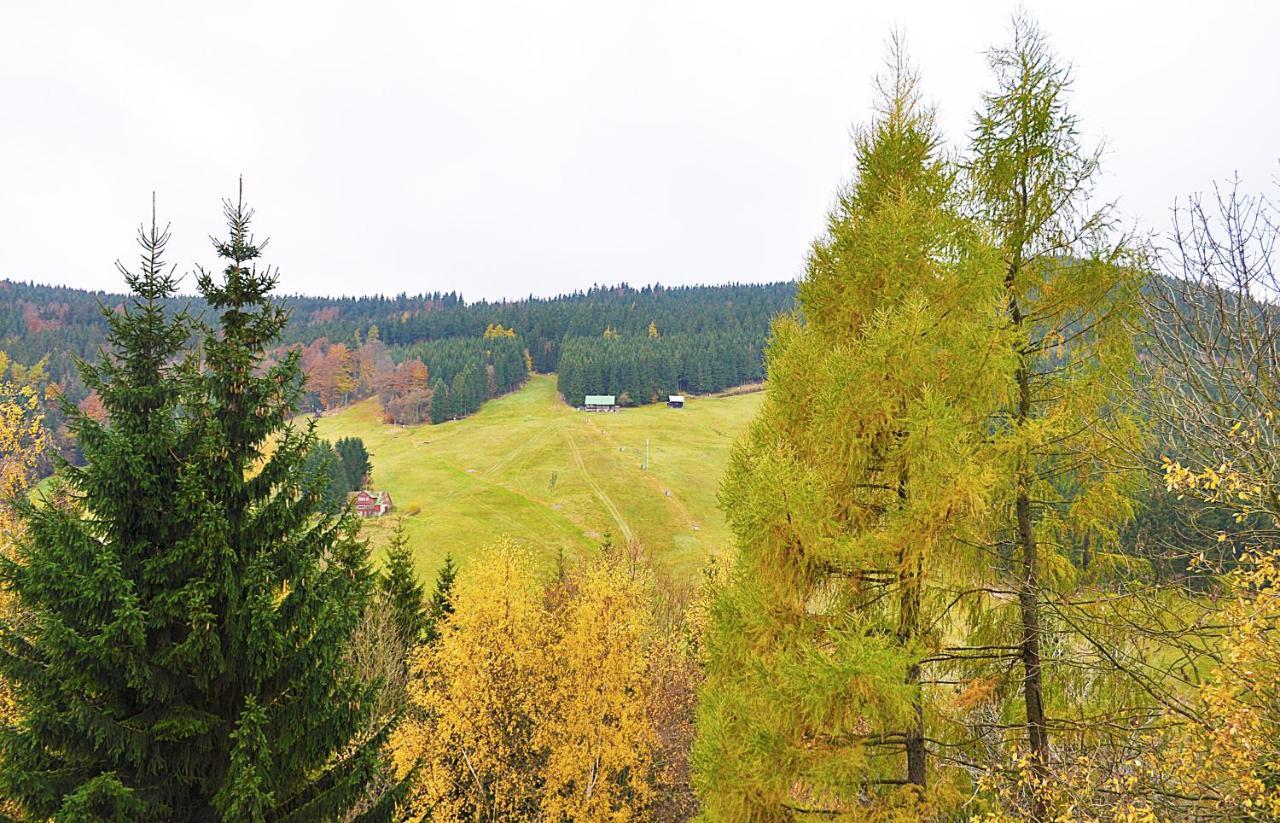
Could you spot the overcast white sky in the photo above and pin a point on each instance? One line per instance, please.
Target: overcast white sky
(503, 149)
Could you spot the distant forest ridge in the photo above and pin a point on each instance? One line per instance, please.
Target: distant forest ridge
(30, 308)
(435, 356)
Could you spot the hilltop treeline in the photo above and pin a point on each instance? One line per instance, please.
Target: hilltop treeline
(720, 332)
(545, 323)
(60, 322)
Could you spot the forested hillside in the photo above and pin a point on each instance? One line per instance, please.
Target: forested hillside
(437, 357)
(57, 321)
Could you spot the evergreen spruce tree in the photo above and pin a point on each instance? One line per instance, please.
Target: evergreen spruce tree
(89, 575)
(852, 497)
(324, 467)
(441, 402)
(400, 590)
(355, 457)
(441, 605)
(189, 609)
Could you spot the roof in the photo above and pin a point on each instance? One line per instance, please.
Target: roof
(600, 400)
(676, 398)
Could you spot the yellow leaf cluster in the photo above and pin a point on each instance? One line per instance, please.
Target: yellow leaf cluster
(1232, 755)
(498, 330)
(1073, 791)
(22, 439)
(599, 737)
(532, 706)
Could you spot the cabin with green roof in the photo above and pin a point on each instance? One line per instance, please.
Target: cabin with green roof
(600, 403)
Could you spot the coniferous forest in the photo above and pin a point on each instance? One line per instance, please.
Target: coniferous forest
(58, 324)
(1004, 527)
(648, 368)
(435, 357)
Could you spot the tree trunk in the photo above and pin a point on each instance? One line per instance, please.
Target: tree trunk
(1028, 590)
(908, 631)
(1032, 682)
(917, 757)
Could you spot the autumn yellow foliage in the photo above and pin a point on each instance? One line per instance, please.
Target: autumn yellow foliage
(597, 733)
(1231, 757)
(22, 435)
(22, 439)
(534, 704)
(497, 330)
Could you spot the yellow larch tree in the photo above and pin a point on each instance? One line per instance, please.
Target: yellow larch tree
(854, 498)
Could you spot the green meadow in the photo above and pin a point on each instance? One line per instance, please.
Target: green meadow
(527, 466)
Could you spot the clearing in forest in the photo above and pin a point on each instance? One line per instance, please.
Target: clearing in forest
(530, 467)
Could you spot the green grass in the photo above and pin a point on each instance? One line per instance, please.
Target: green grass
(490, 475)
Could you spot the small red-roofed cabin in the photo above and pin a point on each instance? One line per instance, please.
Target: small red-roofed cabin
(371, 504)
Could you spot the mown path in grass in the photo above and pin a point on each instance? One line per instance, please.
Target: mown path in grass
(623, 529)
(529, 467)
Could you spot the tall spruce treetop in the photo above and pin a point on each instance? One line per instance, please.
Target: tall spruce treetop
(355, 458)
(853, 494)
(401, 591)
(189, 611)
(105, 576)
(441, 604)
